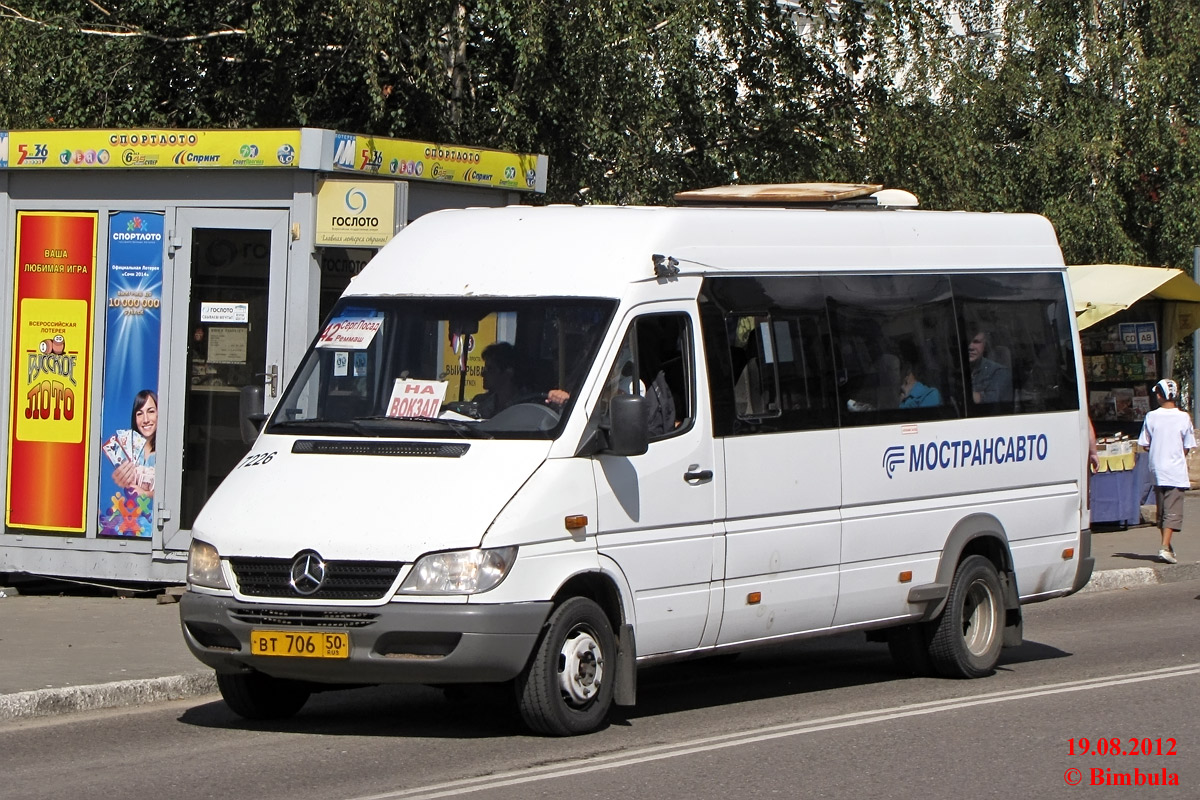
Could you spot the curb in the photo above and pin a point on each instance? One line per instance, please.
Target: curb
(1108, 579)
(1120, 579)
(120, 694)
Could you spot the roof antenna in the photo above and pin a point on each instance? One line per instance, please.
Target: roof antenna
(665, 266)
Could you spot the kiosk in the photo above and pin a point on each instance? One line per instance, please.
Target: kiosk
(1130, 320)
(160, 287)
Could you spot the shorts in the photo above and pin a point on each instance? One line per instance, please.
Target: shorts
(1169, 500)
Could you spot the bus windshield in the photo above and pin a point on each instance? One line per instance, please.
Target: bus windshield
(424, 367)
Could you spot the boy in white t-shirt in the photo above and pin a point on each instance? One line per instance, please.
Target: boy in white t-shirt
(1167, 432)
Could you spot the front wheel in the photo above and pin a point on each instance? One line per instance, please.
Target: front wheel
(567, 688)
(967, 639)
(254, 695)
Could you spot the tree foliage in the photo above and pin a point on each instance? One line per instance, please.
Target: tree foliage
(1083, 110)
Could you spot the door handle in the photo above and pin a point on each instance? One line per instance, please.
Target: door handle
(272, 376)
(700, 476)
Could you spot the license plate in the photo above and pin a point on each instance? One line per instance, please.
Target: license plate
(301, 644)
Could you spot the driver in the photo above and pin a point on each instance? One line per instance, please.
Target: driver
(501, 386)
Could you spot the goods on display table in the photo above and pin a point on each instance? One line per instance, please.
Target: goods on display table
(1121, 362)
(1116, 453)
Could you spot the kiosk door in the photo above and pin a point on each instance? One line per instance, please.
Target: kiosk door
(228, 307)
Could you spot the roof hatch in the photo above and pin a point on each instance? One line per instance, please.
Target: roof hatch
(800, 194)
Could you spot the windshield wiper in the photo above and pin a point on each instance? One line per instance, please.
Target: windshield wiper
(321, 424)
(376, 425)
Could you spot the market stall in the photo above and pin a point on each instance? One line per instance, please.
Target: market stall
(1130, 320)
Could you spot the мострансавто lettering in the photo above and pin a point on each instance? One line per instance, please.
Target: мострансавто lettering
(977, 452)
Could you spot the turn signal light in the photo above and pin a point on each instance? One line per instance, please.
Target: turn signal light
(754, 598)
(1068, 554)
(906, 576)
(575, 522)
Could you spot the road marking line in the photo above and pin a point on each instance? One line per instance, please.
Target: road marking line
(663, 751)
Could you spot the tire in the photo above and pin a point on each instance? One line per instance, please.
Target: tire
(970, 631)
(253, 695)
(909, 647)
(567, 689)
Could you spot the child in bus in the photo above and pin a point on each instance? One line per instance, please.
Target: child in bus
(1167, 432)
(913, 393)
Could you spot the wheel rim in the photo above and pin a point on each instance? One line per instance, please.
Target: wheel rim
(581, 667)
(979, 618)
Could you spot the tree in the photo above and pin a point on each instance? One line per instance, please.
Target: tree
(1083, 110)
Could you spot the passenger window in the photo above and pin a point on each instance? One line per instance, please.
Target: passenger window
(895, 346)
(768, 353)
(655, 360)
(1019, 352)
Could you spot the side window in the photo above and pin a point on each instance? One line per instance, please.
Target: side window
(768, 355)
(896, 348)
(656, 361)
(1019, 353)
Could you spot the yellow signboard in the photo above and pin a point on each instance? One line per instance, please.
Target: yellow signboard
(50, 381)
(137, 149)
(356, 213)
(466, 383)
(272, 148)
(434, 162)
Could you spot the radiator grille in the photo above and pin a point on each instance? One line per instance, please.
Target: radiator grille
(344, 580)
(279, 617)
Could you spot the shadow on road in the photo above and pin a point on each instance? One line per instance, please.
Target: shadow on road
(485, 712)
(1138, 557)
(1029, 652)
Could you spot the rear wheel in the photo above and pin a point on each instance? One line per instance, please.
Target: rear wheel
(254, 695)
(967, 639)
(567, 688)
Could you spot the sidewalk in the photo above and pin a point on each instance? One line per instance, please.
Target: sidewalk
(63, 653)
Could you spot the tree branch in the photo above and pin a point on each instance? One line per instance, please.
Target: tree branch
(117, 31)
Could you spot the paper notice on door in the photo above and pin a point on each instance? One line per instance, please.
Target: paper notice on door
(225, 312)
(227, 345)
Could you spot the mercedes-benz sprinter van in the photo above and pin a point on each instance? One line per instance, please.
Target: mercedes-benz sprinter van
(545, 446)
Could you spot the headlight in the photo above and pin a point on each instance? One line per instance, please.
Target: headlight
(204, 566)
(459, 572)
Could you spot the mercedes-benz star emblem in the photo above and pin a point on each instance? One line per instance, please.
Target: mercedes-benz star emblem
(308, 573)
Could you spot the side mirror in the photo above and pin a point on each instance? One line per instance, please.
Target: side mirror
(250, 412)
(628, 434)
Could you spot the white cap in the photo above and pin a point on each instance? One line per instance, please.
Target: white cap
(1167, 388)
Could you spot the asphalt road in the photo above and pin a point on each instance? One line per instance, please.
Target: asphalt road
(827, 718)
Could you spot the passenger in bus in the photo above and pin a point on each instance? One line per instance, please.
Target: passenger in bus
(660, 402)
(913, 393)
(991, 380)
(752, 391)
(875, 389)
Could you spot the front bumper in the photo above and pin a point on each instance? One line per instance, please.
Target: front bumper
(393, 643)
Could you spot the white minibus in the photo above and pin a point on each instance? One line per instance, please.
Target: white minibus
(543, 447)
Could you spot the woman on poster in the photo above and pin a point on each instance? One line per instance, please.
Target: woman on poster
(137, 472)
